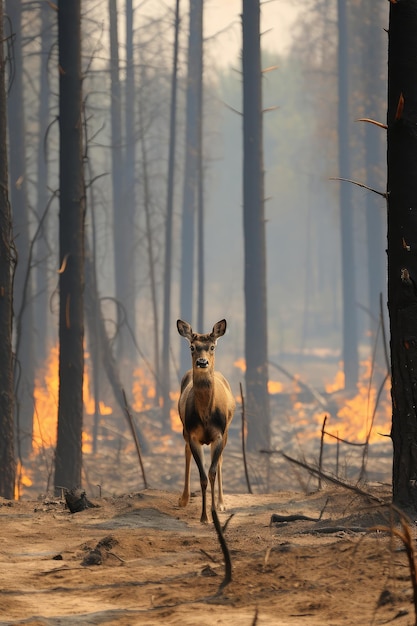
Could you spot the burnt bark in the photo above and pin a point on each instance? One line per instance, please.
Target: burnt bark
(256, 347)
(7, 259)
(68, 459)
(23, 301)
(42, 316)
(402, 245)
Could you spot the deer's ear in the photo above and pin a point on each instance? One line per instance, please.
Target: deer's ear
(185, 329)
(219, 329)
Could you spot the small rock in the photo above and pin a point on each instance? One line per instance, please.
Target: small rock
(92, 558)
(208, 571)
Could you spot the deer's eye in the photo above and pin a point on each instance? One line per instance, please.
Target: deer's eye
(212, 348)
(192, 348)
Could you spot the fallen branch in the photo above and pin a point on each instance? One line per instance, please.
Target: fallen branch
(331, 479)
(336, 529)
(275, 518)
(279, 519)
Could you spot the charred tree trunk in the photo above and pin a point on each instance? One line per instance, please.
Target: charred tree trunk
(41, 300)
(402, 246)
(166, 356)
(7, 260)
(23, 301)
(71, 240)
(256, 348)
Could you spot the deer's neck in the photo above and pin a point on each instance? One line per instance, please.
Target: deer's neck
(203, 393)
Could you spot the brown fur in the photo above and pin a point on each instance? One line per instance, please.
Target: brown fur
(206, 408)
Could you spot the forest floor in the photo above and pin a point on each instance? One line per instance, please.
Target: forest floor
(141, 559)
(138, 558)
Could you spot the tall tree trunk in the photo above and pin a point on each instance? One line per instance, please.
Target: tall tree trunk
(150, 249)
(23, 307)
(256, 347)
(41, 300)
(71, 239)
(129, 187)
(121, 227)
(166, 356)
(200, 190)
(192, 133)
(7, 260)
(92, 307)
(350, 333)
(402, 246)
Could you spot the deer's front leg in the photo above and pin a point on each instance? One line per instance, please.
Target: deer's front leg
(216, 468)
(220, 484)
(185, 498)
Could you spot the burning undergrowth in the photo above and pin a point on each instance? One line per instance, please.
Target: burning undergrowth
(110, 462)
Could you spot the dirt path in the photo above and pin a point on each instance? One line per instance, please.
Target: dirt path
(146, 561)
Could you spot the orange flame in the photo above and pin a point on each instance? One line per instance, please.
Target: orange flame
(240, 364)
(337, 384)
(143, 390)
(46, 393)
(275, 386)
(357, 418)
(46, 404)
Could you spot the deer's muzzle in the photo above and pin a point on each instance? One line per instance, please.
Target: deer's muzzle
(201, 362)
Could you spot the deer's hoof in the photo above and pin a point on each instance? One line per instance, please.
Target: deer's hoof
(204, 519)
(221, 506)
(183, 501)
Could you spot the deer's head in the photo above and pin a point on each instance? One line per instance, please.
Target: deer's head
(202, 346)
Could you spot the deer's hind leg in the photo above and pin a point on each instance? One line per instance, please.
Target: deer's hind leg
(220, 475)
(198, 454)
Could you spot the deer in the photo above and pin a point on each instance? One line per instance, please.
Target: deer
(206, 406)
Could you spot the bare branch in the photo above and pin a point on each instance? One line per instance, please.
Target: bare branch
(354, 182)
(370, 121)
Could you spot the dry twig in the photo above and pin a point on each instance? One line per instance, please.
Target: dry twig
(313, 470)
(404, 534)
(227, 561)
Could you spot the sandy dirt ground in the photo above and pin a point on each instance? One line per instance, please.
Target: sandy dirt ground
(141, 559)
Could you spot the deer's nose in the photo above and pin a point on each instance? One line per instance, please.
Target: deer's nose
(201, 362)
